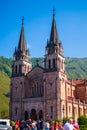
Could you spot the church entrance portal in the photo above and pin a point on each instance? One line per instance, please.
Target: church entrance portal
(33, 114)
(26, 115)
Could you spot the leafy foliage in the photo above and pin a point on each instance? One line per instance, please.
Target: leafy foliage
(4, 90)
(5, 65)
(65, 119)
(82, 120)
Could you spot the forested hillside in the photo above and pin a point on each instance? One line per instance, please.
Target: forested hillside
(5, 65)
(4, 94)
(76, 68)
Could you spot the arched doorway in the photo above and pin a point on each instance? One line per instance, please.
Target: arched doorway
(33, 114)
(40, 114)
(26, 115)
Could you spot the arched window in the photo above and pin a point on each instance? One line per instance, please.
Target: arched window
(80, 111)
(74, 111)
(49, 64)
(32, 91)
(40, 90)
(68, 92)
(51, 109)
(37, 90)
(54, 65)
(16, 69)
(20, 69)
(62, 64)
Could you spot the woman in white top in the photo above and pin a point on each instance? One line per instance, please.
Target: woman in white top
(47, 125)
(68, 125)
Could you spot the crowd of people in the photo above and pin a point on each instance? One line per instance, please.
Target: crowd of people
(44, 125)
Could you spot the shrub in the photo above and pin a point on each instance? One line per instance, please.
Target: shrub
(57, 120)
(82, 120)
(83, 127)
(65, 119)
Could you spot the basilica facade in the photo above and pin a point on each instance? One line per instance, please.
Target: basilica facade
(45, 92)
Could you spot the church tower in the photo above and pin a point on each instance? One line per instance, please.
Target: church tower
(21, 66)
(54, 75)
(54, 59)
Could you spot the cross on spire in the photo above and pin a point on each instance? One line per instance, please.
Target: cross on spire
(22, 20)
(37, 60)
(54, 12)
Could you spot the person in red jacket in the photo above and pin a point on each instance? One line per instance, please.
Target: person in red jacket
(60, 127)
(17, 125)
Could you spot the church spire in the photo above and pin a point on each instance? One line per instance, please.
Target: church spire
(22, 42)
(21, 64)
(22, 51)
(54, 58)
(54, 34)
(54, 38)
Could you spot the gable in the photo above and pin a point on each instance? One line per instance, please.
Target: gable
(35, 72)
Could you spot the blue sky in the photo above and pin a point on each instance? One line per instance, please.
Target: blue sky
(71, 19)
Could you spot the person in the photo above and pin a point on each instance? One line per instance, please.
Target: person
(22, 125)
(38, 124)
(28, 124)
(60, 127)
(47, 125)
(17, 125)
(13, 124)
(52, 125)
(41, 124)
(55, 125)
(68, 125)
(33, 125)
(75, 124)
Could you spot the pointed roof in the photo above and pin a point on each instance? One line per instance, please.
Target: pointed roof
(54, 34)
(22, 41)
(54, 38)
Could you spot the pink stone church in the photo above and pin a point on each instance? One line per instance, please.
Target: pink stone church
(45, 92)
